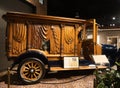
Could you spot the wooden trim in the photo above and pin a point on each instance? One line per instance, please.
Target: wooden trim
(95, 36)
(43, 18)
(80, 68)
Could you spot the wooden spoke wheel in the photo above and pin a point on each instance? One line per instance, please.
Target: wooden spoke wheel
(31, 70)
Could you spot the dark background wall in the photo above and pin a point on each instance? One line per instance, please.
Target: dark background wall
(5, 6)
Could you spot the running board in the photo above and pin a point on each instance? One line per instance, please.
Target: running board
(80, 68)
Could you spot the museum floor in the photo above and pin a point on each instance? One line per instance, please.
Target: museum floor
(63, 79)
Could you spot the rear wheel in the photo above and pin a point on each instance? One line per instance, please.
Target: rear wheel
(31, 70)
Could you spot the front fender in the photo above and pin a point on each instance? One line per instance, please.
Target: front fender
(31, 53)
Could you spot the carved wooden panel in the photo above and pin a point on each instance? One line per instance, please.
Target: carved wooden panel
(39, 36)
(55, 35)
(68, 39)
(45, 37)
(17, 38)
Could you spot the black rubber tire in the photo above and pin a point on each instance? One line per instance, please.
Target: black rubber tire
(31, 70)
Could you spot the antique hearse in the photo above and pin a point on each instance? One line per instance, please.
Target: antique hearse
(38, 44)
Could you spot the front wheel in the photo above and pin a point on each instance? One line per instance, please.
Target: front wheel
(31, 70)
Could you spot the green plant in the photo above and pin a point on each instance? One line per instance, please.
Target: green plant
(108, 78)
(118, 65)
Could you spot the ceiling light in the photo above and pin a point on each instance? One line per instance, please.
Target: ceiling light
(113, 18)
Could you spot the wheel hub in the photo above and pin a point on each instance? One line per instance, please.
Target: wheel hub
(32, 70)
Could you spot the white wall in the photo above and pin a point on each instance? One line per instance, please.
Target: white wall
(105, 33)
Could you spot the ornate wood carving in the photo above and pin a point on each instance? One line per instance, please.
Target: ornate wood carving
(68, 36)
(17, 38)
(56, 35)
(55, 39)
(39, 34)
